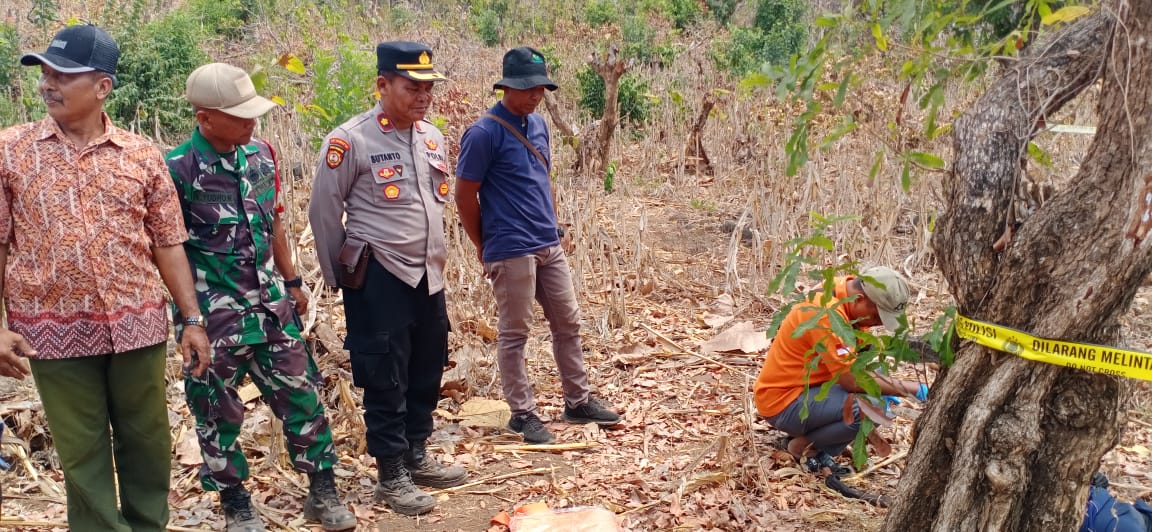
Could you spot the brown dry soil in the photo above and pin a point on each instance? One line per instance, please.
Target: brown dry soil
(685, 457)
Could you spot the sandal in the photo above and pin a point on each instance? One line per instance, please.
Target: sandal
(814, 464)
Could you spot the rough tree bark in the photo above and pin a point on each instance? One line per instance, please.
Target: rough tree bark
(611, 67)
(1006, 444)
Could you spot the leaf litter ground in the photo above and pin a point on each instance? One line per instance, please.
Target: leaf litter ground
(689, 455)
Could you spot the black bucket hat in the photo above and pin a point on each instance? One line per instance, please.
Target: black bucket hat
(524, 68)
(76, 49)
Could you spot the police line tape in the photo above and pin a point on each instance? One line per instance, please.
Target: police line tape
(1088, 357)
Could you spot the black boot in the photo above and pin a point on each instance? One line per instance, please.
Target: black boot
(430, 473)
(395, 487)
(324, 505)
(239, 515)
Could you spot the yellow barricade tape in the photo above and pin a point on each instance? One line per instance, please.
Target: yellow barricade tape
(1089, 357)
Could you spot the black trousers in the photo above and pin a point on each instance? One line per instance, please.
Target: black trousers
(398, 343)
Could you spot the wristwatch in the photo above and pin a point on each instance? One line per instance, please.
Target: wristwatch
(294, 283)
(559, 232)
(199, 321)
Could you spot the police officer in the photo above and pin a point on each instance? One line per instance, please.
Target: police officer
(386, 171)
(228, 186)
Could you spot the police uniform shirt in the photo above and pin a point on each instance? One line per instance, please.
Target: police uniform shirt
(392, 185)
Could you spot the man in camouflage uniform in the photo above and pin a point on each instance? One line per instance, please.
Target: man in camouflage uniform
(386, 170)
(228, 185)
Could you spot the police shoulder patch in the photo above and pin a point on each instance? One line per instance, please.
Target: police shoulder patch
(337, 147)
(385, 122)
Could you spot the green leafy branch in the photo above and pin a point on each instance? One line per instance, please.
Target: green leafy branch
(937, 43)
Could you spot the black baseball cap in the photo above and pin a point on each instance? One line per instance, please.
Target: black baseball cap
(409, 59)
(524, 68)
(76, 49)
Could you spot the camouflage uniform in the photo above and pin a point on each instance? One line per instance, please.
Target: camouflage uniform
(229, 204)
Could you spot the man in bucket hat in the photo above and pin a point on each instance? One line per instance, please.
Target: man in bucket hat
(507, 207)
(229, 186)
(88, 216)
(386, 170)
(788, 384)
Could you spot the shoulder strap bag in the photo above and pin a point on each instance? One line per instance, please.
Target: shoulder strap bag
(516, 133)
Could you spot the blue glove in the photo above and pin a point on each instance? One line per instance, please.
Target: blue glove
(4, 465)
(922, 393)
(890, 400)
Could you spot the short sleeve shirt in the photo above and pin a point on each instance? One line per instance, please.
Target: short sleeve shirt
(781, 378)
(230, 203)
(80, 224)
(516, 212)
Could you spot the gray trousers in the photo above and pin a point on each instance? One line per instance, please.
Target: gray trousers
(824, 427)
(541, 276)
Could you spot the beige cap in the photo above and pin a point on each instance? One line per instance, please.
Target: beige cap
(889, 291)
(227, 89)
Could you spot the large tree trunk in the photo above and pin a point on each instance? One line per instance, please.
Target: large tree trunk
(1007, 444)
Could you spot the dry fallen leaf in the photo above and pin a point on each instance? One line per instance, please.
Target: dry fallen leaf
(721, 312)
(1138, 450)
(480, 412)
(248, 392)
(741, 337)
(188, 448)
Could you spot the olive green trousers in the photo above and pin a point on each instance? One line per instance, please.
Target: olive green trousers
(108, 415)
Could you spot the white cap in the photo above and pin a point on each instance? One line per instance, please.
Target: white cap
(227, 89)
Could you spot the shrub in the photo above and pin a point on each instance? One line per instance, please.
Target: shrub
(487, 26)
(343, 86)
(119, 14)
(221, 17)
(9, 58)
(591, 87)
(402, 16)
(778, 32)
(639, 39)
(155, 61)
(552, 59)
(640, 43)
(600, 12)
(771, 14)
(488, 17)
(17, 90)
(722, 10)
(683, 13)
(635, 107)
(43, 13)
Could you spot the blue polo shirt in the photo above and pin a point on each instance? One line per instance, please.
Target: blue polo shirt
(516, 216)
